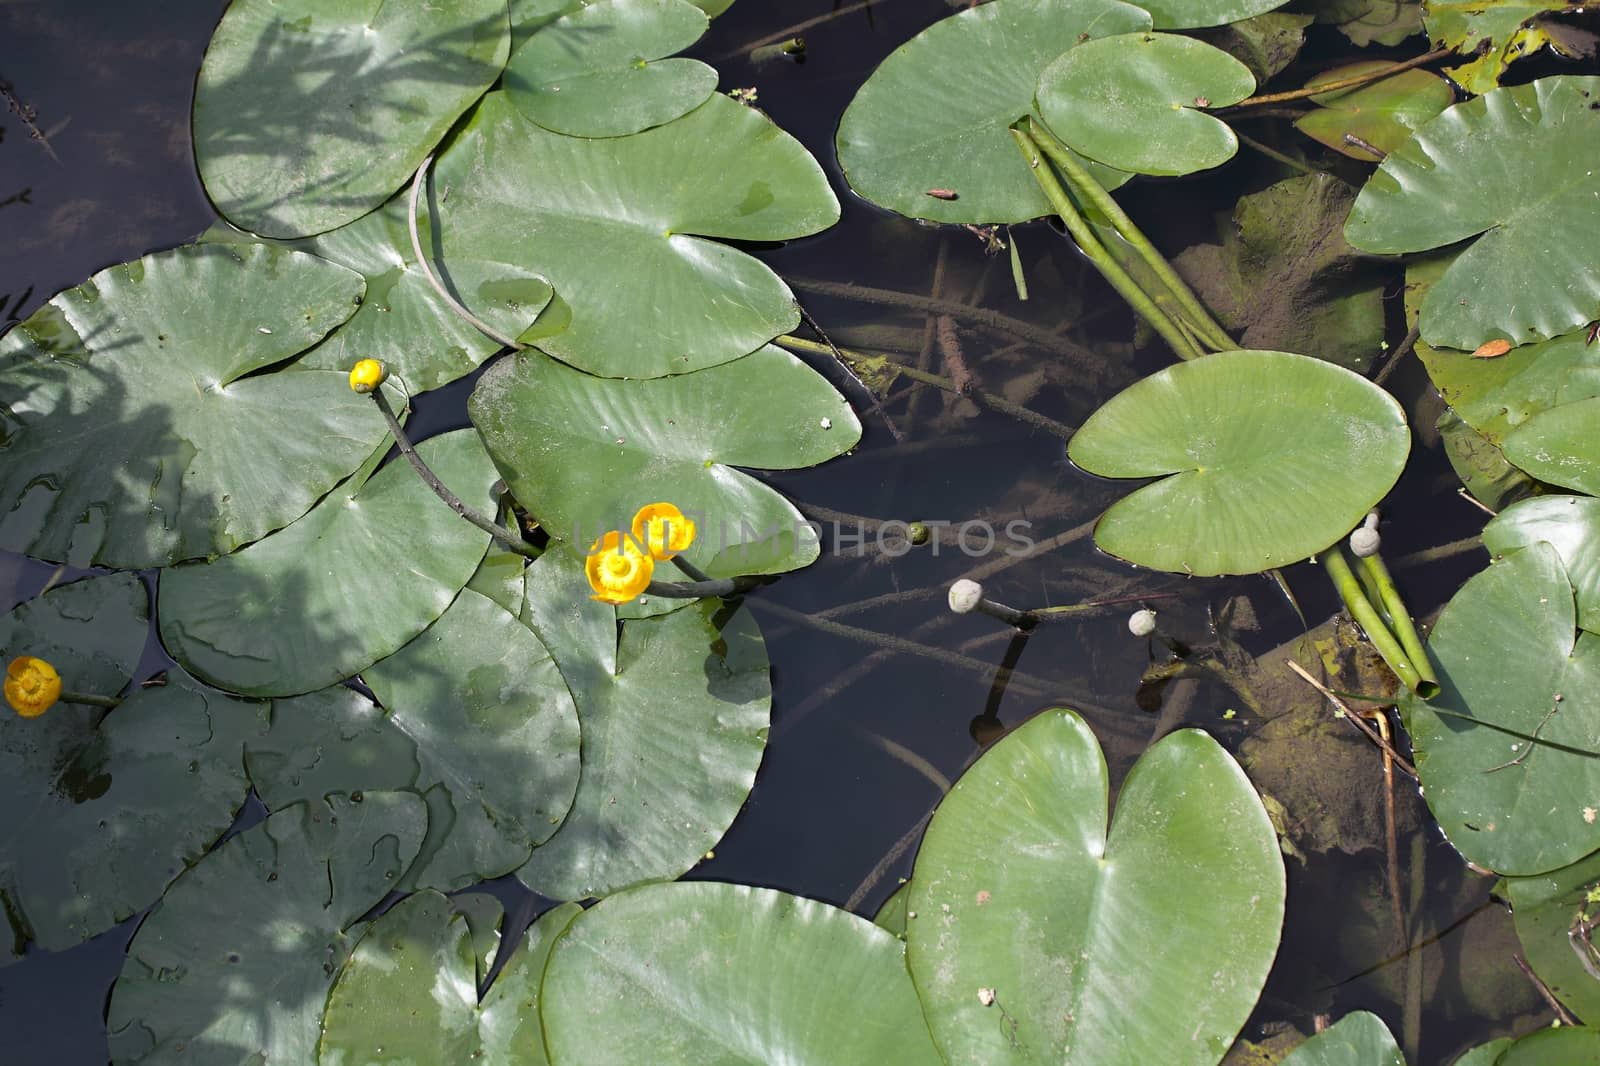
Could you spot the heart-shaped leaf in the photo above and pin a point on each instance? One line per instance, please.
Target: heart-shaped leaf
(133, 436)
(598, 71)
(1192, 14)
(1559, 445)
(1271, 457)
(1034, 927)
(235, 964)
(310, 113)
(1570, 525)
(1507, 752)
(713, 973)
(1516, 166)
(1495, 32)
(936, 114)
(1130, 101)
(1359, 1039)
(674, 719)
(1382, 113)
(367, 569)
(620, 225)
(1545, 908)
(584, 453)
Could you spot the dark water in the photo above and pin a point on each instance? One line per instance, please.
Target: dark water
(855, 752)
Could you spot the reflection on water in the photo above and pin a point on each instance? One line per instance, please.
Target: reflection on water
(864, 738)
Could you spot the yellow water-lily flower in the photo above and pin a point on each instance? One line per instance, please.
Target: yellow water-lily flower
(663, 530)
(618, 569)
(367, 375)
(32, 686)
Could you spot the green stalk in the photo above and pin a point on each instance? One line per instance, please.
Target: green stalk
(1400, 622)
(1361, 609)
(1091, 192)
(1096, 253)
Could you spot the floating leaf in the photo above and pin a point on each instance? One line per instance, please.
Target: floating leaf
(1495, 32)
(1507, 768)
(1570, 525)
(1035, 926)
(674, 718)
(1559, 445)
(1130, 101)
(1481, 466)
(713, 973)
(935, 114)
(1566, 1046)
(367, 569)
(1193, 14)
(310, 113)
(1359, 1039)
(235, 964)
(409, 992)
(1485, 1054)
(1366, 22)
(584, 453)
(1267, 43)
(1382, 113)
(136, 434)
(1544, 908)
(620, 226)
(1517, 163)
(1271, 457)
(598, 71)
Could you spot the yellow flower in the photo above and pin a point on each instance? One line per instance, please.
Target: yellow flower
(663, 530)
(618, 569)
(32, 686)
(367, 375)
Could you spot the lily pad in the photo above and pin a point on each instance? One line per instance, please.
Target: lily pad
(366, 570)
(1480, 465)
(1485, 1054)
(1567, 1046)
(1382, 113)
(1035, 927)
(235, 964)
(725, 975)
(1272, 457)
(409, 993)
(310, 113)
(1570, 525)
(1366, 22)
(674, 718)
(1130, 101)
(1267, 43)
(1194, 14)
(598, 71)
(1495, 33)
(1515, 165)
(1359, 1039)
(1544, 908)
(1559, 445)
(136, 434)
(620, 226)
(936, 114)
(584, 453)
(1508, 768)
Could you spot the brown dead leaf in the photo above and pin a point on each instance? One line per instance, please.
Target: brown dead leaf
(1492, 349)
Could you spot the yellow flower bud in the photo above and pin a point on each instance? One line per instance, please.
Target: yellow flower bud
(618, 569)
(32, 686)
(367, 375)
(663, 530)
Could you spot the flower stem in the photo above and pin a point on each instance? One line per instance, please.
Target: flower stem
(1366, 616)
(427, 271)
(454, 502)
(1342, 83)
(703, 587)
(1400, 622)
(108, 702)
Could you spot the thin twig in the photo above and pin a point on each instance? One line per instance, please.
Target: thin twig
(1372, 735)
(1280, 157)
(427, 271)
(1399, 355)
(1366, 146)
(1555, 1004)
(798, 27)
(1335, 86)
(876, 406)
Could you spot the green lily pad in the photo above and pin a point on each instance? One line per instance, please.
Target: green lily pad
(133, 436)
(1272, 457)
(1485, 1054)
(1570, 525)
(409, 992)
(1559, 445)
(1515, 165)
(102, 815)
(499, 577)
(1267, 43)
(1035, 926)
(584, 453)
(674, 717)
(892, 914)
(1382, 113)
(1567, 1046)
(1544, 908)
(1495, 32)
(936, 114)
(1366, 22)
(1480, 465)
(235, 964)
(1506, 768)
(727, 974)
(598, 71)
(1194, 14)
(310, 113)
(620, 226)
(366, 570)
(1130, 101)
(1359, 1039)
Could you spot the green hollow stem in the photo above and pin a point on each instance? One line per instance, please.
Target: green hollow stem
(1091, 247)
(1366, 616)
(454, 502)
(1400, 620)
(702, 589)
(1091, 192)
(107, 702)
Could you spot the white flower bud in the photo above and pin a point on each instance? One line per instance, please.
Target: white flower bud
(1142, 623)
(1364, 542)
(964, 596)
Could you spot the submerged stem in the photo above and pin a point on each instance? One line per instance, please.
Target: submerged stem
(427, 271)
(1342, 83)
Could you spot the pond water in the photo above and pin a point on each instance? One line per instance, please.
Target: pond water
(862, 739)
